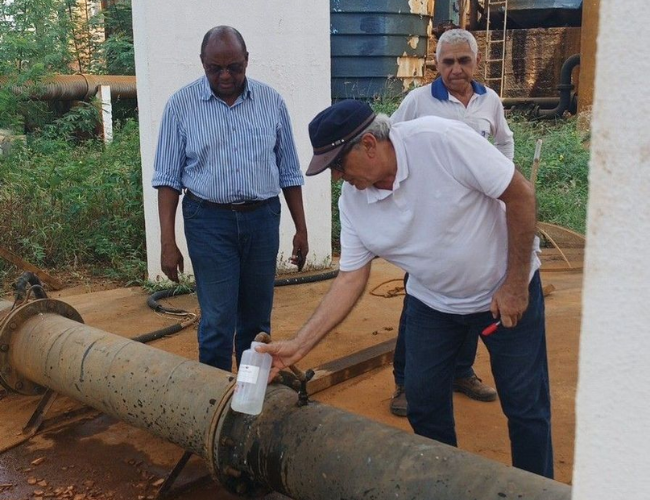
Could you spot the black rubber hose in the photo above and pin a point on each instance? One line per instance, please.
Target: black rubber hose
(157, 334)
(153, 299)
(311, 278)
(25, 281)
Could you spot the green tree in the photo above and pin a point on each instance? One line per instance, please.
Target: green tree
(41, 38)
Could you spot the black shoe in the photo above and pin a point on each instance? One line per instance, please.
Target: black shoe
(398, 402)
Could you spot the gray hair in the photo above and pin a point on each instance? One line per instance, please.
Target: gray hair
(379, 127)
(455, 36)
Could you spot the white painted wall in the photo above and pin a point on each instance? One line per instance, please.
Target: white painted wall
(612, 459)
(289, 49)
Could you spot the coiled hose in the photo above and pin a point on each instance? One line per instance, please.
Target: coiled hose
(153, 299)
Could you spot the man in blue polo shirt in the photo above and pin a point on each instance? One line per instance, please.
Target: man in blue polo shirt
(226, 142)
(457, 96)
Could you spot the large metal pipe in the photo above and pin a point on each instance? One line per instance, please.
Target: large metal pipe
(309, 452)
(80, 87)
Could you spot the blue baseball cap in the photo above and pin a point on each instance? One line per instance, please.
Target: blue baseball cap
(333, 128)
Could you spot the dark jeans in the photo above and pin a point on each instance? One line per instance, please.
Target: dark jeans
(518, 359)
(234, 258)
(465, 360)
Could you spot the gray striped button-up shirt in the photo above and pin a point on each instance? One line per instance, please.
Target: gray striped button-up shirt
(227, 154)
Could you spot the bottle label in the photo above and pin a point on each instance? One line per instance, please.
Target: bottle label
(248, 374)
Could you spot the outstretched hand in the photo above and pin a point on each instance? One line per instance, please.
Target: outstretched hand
(284, 352)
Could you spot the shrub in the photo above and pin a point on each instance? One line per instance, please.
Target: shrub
(65, 204)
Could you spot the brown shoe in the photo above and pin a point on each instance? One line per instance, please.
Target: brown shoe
(474, 388)
(398, 402)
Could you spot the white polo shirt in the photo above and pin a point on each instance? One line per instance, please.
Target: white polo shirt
(484, 113)
(442, 222)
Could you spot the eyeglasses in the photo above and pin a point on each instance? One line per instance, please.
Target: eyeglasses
(337, 164)
(232, 69)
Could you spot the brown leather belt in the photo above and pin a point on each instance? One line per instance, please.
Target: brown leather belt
(244, 206)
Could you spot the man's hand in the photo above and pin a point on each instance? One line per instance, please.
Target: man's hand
(171, 261)
(300, 249)
(284, 352)
(293, 196)
(509, 303)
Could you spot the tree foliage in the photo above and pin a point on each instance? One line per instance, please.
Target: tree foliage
(41, 38)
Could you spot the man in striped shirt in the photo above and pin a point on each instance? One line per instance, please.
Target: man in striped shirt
(226, 143)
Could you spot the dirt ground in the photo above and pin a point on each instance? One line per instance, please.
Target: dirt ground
(84, 455)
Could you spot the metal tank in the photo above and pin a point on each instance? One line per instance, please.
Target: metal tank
(378, 47)
(539, 13)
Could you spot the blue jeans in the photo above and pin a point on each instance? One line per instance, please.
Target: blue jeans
(518, 359)
(234, 259)
(464, 363)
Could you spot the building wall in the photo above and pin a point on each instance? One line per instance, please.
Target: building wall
(613, 398)
(289, 49)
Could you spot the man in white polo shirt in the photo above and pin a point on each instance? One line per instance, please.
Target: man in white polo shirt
(432, 197)
(457, 96)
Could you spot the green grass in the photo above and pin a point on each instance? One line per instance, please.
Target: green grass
(562, 178)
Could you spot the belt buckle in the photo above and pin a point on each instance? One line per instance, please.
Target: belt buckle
(237, 206)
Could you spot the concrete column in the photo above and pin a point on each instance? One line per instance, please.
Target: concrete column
(613, 403)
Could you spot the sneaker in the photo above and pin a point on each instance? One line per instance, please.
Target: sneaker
(398, 402)
(474, 388)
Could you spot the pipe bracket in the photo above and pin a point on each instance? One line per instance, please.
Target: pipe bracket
(10, 378)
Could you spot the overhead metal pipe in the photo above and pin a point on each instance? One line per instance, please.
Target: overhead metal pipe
(79, 87)
(312, 452)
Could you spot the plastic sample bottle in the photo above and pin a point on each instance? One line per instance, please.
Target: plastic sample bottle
(252, 378)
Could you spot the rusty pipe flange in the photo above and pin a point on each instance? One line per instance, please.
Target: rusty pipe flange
(10, 377)
(222, 408)
(226, 448)
(220, 453)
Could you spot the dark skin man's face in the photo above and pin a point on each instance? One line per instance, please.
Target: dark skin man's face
(224, 62)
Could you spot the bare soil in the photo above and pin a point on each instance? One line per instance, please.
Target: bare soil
(84, 455)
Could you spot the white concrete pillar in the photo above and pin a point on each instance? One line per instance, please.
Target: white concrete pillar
(107, 113)
(612, 459)
(288, 42)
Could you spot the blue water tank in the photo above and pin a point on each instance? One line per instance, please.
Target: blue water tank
(378, 47)
(540, 13)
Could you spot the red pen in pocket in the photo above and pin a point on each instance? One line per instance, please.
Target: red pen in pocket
(491, 329)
